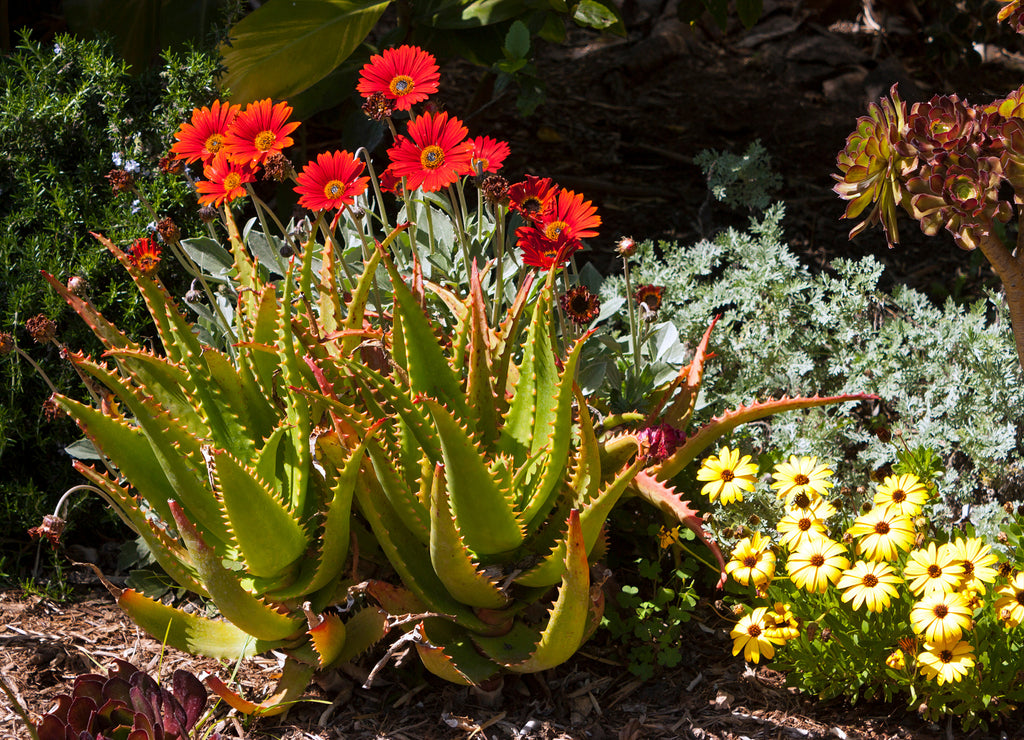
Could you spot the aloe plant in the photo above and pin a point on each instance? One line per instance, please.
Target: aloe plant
(209, 459)
(487, 485)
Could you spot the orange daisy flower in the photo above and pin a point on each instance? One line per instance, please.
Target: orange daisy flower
(532, 197)
(650, 295)
(407, 75)
(205, 135)
(488, 154)
(389, 181)
(541, 252)
(225, 181)
(434, 154)
(570, 215)
(331, 182)
(145, 255)
(260, 130)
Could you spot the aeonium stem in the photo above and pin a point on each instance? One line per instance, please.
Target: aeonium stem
(1010, 270)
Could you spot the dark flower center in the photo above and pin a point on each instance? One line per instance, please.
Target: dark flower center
(750, 561)
(882, 528)
(531, 204)
(968, 568)
(946, 655)
(802, 500)
(817, 560)
(264, 140)
(898, 496)
(870, 580)
(801, 480)
(753, 630)
(334, 189)
(1020, 598)
(940, 611)
(401, 85)
(934, 571)
(804, 525)
(727, 475)
(432, 157)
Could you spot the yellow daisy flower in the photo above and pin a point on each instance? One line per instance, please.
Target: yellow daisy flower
(933, 569)
(872, 584)
(750, 636)
(946, 661)
(801, 475)
(1010, 604)
(904, 493)
(780, 622)
(752, 561)
(941, 617)
(883, 533)
(976, 558)
(816, 564)
(799, 526)
(727, 475)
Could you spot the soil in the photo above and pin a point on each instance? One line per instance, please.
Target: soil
(622, 122)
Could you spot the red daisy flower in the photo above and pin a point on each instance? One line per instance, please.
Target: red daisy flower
(406, 75)
(532, 197)
(650, 295)
(488, 154)
(570, 215)
(541, 252)
(145, 255)
(389, 181)
(580, 305)
(259, 131)
(434, 154)
(224, 181)
(331, 182)
(205, 135)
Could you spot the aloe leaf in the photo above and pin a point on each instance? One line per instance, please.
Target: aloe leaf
(480, 394)
(483, 512)
(665, 498)
(554, 423)
(563, 634)
(268, 534)
(357, 306)
(168, 383)
(296, 444)
(592, 514)
(363, 630)
(527, 424)
(236, 604)
(191, 632)
(165, 449)
(328, 639)
(428, 370)
(244, 272)
(724, 424)
(410, 557)
(448, 653)
(295, 677)
(688, 381)
(414, 513)
(236, 420)
(452, 562)
(110, 335)
(167, 552)
(284, 47)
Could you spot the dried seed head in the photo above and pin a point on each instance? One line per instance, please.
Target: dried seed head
(6, 343)
(495, 189)
(41, 328)
(378, 107)
(51, 409)
(51, 529)
(168, 230)
(277, 167)
(171, 165)
(120, 181)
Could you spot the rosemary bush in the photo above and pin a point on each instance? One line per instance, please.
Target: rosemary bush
(70, 113)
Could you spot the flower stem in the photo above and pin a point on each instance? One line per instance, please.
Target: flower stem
(634, 332)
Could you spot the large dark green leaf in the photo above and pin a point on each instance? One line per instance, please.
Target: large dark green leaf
(749, 12)
(287, 45)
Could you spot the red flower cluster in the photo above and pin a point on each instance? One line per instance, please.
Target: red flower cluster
(231, 144)
(557, 219)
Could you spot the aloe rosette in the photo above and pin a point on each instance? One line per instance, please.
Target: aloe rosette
(209, 459)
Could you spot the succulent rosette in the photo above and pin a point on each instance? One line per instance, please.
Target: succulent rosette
(873, 168)
(963, 197)
(947, 124)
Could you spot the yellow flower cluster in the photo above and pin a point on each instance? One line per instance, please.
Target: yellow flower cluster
(949, 580)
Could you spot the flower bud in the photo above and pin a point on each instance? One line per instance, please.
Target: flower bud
(626, 247)
(78, 285)
(207, 214)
